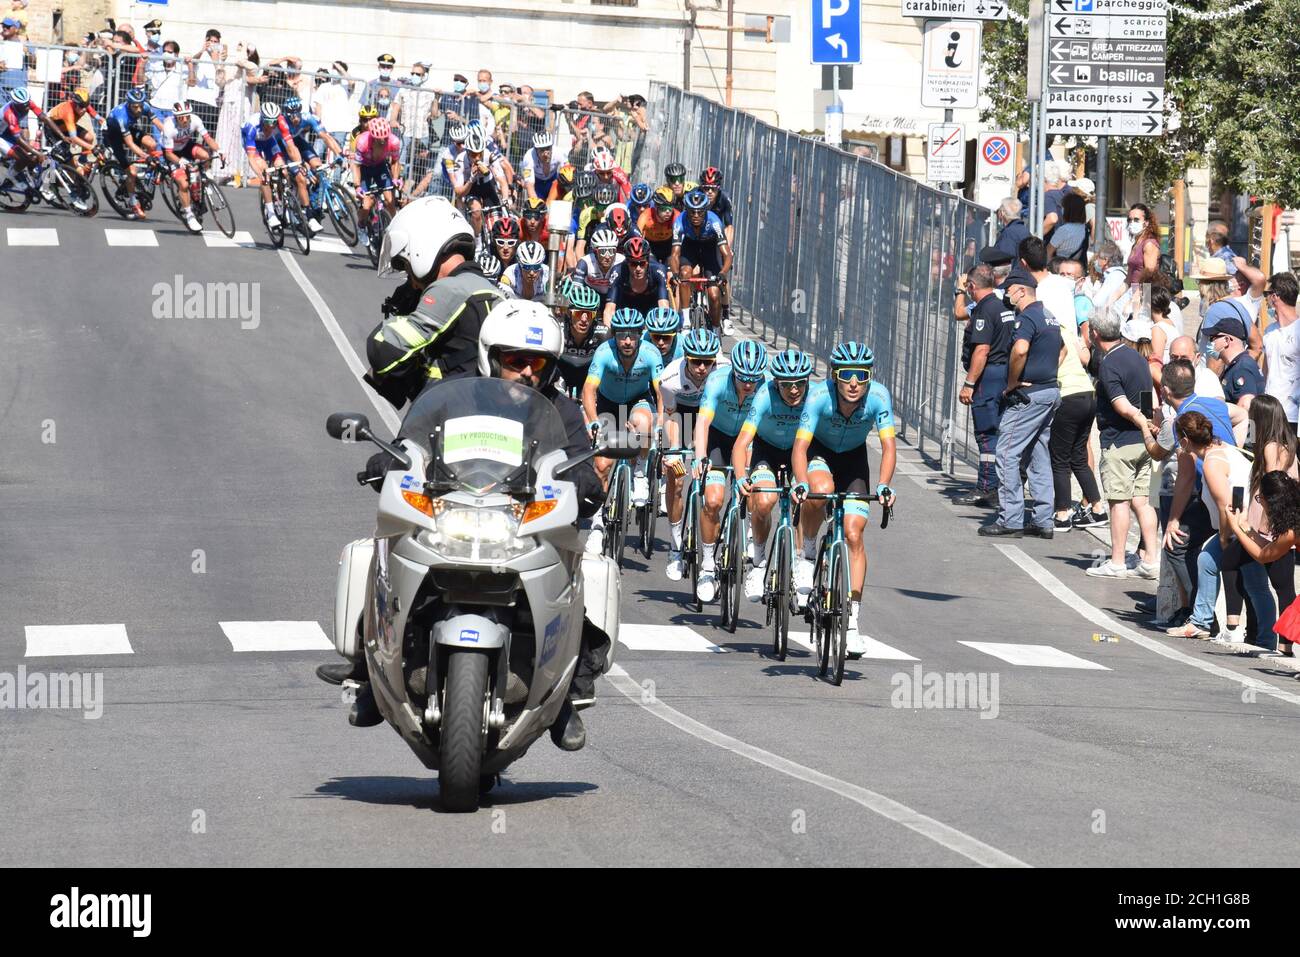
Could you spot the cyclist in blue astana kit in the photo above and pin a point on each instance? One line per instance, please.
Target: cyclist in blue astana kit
(682, 386)
(663, 328)
(623, 382)
(830, 455)
(724, 405)
(766, 439)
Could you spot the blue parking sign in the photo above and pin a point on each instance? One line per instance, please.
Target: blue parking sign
(837, 31)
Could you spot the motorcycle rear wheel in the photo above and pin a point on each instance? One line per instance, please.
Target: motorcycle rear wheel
(464, 725)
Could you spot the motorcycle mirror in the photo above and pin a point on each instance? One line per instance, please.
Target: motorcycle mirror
(348, 426)
(620, 445)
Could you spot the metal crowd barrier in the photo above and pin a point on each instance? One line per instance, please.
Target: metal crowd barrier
(831, 246)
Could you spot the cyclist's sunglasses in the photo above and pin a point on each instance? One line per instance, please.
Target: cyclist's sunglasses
(799, 384)
(508, 243)
(853, 375)
(627, 333)
(519, 361)
(747, 380)
(701, 361)
(663, 337)
(531, 270)
(638, 263)
(676, 179)
(533, 214)
(583, 314)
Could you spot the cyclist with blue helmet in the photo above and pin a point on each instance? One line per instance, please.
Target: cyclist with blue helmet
(639, 200)
(266, 143)
(830, 455)
(724, 404)
(701, 250)
(311, 139)
(622, 391)
(131, 131)
(663, 328)
(765, 440)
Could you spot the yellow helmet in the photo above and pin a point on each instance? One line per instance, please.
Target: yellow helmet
(81, 96)
(663, 197)
(367, 113)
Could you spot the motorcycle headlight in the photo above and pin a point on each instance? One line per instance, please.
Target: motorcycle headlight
(477, 534)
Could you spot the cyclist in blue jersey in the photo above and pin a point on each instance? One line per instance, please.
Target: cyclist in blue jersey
(663, 328)
(130, 133)
(623, 387)
(766, 439)
(637, 282)
(311, 139)
(639, 200)
(724, 404)
(720, 204)
(267, 142)
(830, 455)
(700, 249)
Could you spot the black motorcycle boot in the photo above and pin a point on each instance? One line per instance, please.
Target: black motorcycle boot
(338, 672)
(365, 710)
(567, 732)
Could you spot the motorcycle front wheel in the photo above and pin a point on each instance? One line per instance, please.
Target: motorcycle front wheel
(464, 730)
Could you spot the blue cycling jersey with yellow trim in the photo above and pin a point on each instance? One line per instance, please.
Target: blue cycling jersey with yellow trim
(720, 404)
(822, 420)
(772, 418)
(618, 384)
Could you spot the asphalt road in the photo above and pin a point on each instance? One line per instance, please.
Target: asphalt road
(171, 478)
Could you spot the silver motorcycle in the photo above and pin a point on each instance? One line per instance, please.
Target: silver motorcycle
(468, 602)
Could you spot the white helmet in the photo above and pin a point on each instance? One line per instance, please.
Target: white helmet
(604, 240)
(530, 254)
(543, 141)
(458, 133)
(421, 236)
(524, 325)
(602, 160)
(475, 139)
(488, 262)
(270, 111)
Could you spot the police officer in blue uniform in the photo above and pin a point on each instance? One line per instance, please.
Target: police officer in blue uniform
(1241, 376)
(986, 348)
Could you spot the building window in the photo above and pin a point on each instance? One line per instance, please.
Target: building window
(846, 77)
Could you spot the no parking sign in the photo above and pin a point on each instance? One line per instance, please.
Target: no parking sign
(995, 171)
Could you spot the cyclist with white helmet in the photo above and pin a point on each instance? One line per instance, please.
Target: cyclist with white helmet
(681, 386)
(607, 170)
(765, 441)
(376, 168)
(266, 143)
(432, 320)
(527, 276)
(596, 268)
(830, 455)
(182, 141)
(724, 405)
(479, 177)
(540, 167)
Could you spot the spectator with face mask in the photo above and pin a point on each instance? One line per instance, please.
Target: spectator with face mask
(336, 102)
(385, 81)
(209, 66)
(170, 76)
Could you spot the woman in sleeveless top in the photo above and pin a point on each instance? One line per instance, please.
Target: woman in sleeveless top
(1223, 467)
(1275, 451)
(1144, 260)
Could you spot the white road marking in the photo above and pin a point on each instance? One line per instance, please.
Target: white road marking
(329, 244)
(1067, 597)
(242, 239)
(1033, 656)
(380, 404)
(276, 636)
(665, 638)
(28, 236)
(954, 840)
(47, 641)
(130, 237)
(875, 649)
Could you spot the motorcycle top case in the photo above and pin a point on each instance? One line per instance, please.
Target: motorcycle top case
(350, 596)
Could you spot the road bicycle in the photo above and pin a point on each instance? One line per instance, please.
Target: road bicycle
(151, 173)
(376, 223)
(697, 313)
(779, 595)
(731, 551)
(617, 506)
(829, 602)
(327, 197)
(52, 180)
(647, 515)
(206, 196)
(692, 491)
(288, 209)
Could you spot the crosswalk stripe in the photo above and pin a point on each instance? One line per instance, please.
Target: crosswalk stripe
(329, 244)
(1034, 656)
(25, 236)
(130, 237)
(276, 636)
(664, 638)
(875, 649)
(47, 641)
(242, 238)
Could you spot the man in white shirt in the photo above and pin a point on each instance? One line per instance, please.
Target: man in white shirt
(1282, 345)
(168, 79)
(204, 89)
(336, 102)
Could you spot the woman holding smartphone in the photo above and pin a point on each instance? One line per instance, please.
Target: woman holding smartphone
(1225, 472)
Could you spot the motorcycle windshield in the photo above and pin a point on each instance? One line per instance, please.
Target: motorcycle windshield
(484, 430)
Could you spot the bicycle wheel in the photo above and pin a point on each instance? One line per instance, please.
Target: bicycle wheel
(779, 590)
(276, 233)
(112, 183)
(342, 214)
(736, 569)
(840, 608)
(297, 221)
(222, 214)
(171, 195)
(378, 226)
(817, 599)
(690, 544)
(616, 521)
(72, 188)
(14, 197)
(649, 513)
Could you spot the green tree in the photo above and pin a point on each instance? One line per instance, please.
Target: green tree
(1232, 99)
